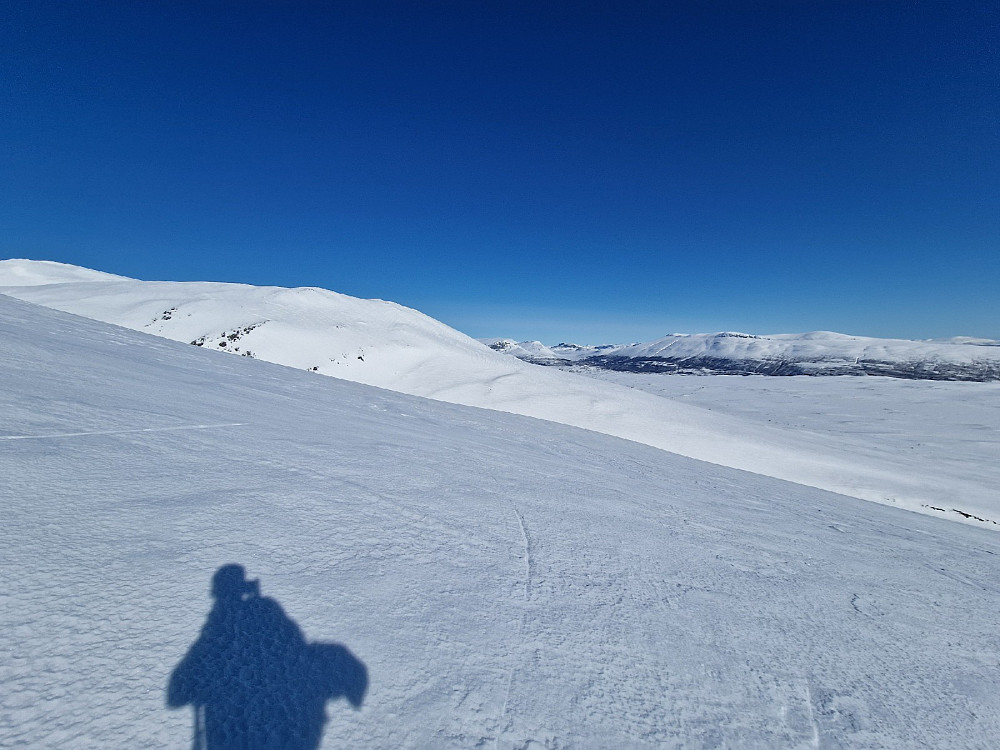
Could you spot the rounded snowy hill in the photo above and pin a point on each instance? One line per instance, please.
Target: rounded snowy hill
(18, 272)
(370, 341)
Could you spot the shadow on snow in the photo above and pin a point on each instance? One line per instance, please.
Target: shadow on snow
(253, 679)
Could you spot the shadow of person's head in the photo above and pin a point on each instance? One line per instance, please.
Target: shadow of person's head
(230, 584)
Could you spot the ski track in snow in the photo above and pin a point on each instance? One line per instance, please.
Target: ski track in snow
(502, 728)
(812, 716)
(122, 432)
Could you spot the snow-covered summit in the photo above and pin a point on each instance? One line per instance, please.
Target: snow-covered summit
(23, 272)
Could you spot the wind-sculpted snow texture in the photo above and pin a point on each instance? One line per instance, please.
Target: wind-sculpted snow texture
(390, 346)
(502, 582)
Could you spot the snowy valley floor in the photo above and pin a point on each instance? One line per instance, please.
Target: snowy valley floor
(946, 430)
(506, 582)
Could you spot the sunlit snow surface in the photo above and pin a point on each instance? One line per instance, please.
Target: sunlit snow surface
(391, 346)
(504, 582)
(946, 428)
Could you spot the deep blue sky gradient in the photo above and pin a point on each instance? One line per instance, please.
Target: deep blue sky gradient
(553, 170)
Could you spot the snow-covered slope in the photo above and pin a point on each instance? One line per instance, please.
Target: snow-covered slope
(952, 427)
(384, 344)
(529, 351)
(41, 272)
(577, 351)
(369, 341)
(816, 353)
(503, 582)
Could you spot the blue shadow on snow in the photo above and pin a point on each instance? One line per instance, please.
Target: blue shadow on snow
(253, 679)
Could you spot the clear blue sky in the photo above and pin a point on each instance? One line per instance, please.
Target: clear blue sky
(589, 171)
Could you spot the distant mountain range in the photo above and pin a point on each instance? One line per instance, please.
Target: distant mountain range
(816, 353)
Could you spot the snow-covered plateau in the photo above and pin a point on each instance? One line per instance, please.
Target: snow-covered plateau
(937, 451)
(421, 574)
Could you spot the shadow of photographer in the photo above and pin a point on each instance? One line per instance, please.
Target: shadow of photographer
(253, 679)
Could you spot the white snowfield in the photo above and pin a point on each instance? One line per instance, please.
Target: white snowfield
(435, 576)
(391, 346)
